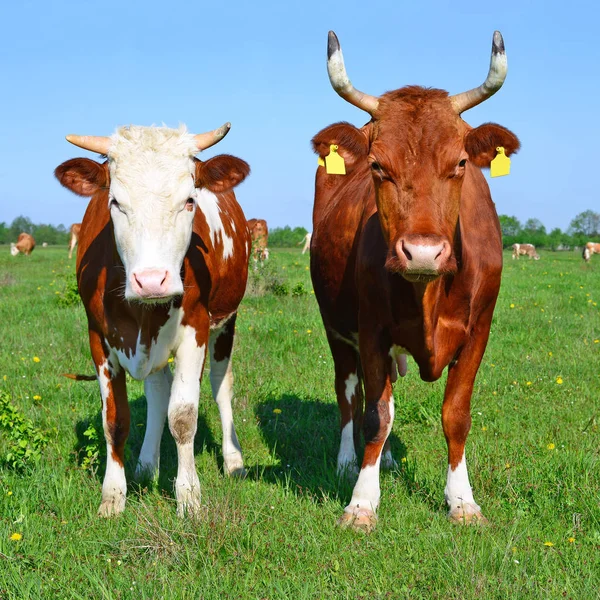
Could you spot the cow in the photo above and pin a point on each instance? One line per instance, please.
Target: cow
(406, 259)
(589, 249)
(25, 245)
(525, 250)
(259, 232)
(162, 264)
(306, 241)
(74, 231)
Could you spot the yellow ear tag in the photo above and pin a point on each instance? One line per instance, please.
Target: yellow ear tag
(500, 165)
(321, 162)
(334, 163)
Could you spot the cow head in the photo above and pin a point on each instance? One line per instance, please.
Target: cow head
(419, 151)
(151, 182)
(13, 249)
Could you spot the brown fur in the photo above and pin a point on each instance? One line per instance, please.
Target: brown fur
(259, 233)
(25, 243)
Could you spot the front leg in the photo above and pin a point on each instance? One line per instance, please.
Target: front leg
(361, 513)
(115, 420)
(456, 422)
(183, 415)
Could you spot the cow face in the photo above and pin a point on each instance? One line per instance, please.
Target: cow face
(151, 182)
(13, 249)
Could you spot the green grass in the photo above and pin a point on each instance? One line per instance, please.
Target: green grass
(533, 454)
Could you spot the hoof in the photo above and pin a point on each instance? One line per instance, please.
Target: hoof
(234, 466)
(358, 519)
(111, 507)
(188, 501)
(467, 514)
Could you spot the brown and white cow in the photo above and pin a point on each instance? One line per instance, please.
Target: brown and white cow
(25, 245)
(74, 230)
(162, 264)
(525, 250)
(259, 232)
(306, 241)
(406, 258)
(589, 249)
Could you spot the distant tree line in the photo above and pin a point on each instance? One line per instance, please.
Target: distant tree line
(52, 234)
(584, 227)
(286, 237)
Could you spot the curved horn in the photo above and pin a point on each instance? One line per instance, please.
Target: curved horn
(94, 143)
(495, 79)
(339, 79)
(210, 138)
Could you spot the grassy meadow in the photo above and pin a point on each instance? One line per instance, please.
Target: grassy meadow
(533, 452)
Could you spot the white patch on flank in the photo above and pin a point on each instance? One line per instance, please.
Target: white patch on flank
(183, 415)
(221, 381)
(458, 491)
(114, 486)
(351, 383)
(208, 203)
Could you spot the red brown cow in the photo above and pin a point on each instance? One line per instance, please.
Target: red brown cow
(75, 229)
(259, 232)
(406, 258)
(525, 250)
(589, 249)
(25, 245)
(162, 264)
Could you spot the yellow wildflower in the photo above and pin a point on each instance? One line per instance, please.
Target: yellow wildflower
(559, 380)
(595, 342)
(171, 359)
(277, 411)
(309, 331)
(549, 353)
(529, 383)
(512, 305)
(484, 428)
(549, 544)
(37, 397)
(36, 359)
(15, 537)
(571, 540)
(550, 446)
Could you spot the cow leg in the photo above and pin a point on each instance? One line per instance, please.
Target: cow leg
(157, 388)
(183, 418)
(348, 390)
(360, 514)
(72, 243)
(221, 381)
(115, 421)
(456, 422)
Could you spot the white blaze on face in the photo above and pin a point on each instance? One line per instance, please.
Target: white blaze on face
(152, 177)
(208, 203)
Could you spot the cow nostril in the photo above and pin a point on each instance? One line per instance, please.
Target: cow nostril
(164, 279)
(406, 252)
(138, 281)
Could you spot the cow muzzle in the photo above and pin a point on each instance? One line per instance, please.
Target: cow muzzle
(423, 258)
(153, 285)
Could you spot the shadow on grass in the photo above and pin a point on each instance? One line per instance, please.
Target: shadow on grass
(203, 442)
(304, 441)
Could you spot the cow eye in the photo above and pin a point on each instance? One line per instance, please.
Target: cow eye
(376, 166)
(115, 204)
(463, 162)
(189, 205)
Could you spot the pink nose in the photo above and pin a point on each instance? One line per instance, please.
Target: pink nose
(423, 254)
(151, 283)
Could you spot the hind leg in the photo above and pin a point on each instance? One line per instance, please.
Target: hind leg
(221, 381)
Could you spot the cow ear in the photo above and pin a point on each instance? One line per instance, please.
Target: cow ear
(82, 176)
(352, 143)
(221, 173)
(481, 143)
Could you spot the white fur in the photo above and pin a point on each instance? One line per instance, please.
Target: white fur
(347, 453)
(458, 493)
(221, 381)
(209, 205)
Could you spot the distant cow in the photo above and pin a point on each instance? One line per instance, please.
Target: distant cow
(306, 241)
(162, 265)
(525, 250)
(25, 245)
(259, 232)
(75, 229)
(406, 258)
(589, 249)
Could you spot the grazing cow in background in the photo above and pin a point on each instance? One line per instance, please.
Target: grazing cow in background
(525, 250)
(406, 258)
(259, 232)
(306, 241)
(25, 245)
(45, 245)
(589, 249)
(75, 229)
(162, 265)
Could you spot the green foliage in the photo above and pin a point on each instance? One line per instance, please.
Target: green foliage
(50, 234)
(586, 224)
(92, 450)
(69, 295)
(286, 237)
(24, 441)
(299, 289)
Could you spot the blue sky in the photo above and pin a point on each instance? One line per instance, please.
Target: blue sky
(86, 68)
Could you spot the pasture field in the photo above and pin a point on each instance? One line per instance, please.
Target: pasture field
(533, 452)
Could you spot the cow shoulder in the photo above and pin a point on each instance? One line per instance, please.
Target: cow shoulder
(481, 143)
(82, 176)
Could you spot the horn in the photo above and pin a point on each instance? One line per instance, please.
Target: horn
(339, 79)
(210, 138)
(94, 143)
(495, 79)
